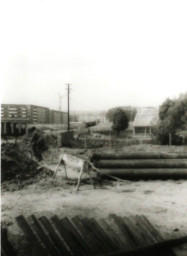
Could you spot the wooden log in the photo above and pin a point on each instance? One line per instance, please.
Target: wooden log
(42, 235)
(145, 237)
(68, 237)
(37, 248)
(80, 239)
(59, 243)
(105, 223)
(127, 239)
(153, 235)
(145, 233)
(134, 232)
(93, 244)
(119, 233)
(109, 245)
(143, 163)
(95, 235)
(138, 155)
(6, 247)
(147, 173)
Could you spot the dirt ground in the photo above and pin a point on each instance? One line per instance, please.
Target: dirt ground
(164, 203)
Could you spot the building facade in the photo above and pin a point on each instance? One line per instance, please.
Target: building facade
(16, 117)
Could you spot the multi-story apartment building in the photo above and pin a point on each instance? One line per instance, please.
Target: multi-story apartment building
(15, 117)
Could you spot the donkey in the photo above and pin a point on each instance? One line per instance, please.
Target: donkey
(82, 165)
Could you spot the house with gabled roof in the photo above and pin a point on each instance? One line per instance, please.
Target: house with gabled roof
(145, 119)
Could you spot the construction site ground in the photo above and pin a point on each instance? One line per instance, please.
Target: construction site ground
(164, 203)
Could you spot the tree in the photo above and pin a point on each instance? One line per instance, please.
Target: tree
(173, 120)
(165, 108)
(130, 112)
(110, 114)
(120, 120)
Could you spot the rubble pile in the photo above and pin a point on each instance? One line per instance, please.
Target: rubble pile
(17, 164)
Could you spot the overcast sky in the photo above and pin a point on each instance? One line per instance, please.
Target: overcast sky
(113, 52)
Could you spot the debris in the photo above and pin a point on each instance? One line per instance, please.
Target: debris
(17, 166)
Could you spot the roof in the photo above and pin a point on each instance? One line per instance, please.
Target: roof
(146, 117)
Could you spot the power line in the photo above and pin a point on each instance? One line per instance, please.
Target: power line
(83, 105)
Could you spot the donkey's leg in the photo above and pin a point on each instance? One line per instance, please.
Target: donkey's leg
(79, 179)
(65, 171)
(55, 172)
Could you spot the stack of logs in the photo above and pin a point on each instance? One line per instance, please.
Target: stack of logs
(142, 165)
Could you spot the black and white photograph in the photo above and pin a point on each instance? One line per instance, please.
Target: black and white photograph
(93, 127)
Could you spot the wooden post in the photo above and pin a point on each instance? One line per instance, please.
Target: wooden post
(85, 141)
(170, 139)
(110, 141)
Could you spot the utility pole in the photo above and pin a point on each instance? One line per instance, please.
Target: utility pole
(68, 89)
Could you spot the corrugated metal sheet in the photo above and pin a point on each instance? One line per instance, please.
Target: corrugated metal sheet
(146, 117)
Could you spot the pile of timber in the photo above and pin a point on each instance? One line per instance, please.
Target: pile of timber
(112, 236)
(142, 165)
